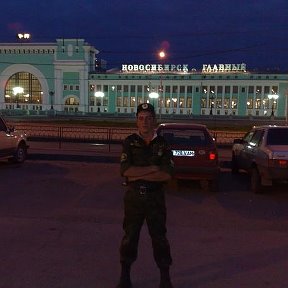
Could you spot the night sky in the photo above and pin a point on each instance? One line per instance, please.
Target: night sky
(193, 32)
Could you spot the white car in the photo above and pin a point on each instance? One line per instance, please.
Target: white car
(263, 153)
(13, 144)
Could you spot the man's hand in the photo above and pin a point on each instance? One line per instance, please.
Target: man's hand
(137, 171)
(157, 176)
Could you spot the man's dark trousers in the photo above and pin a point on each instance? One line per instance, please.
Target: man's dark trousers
(145, 204)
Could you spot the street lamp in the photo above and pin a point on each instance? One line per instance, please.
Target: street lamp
(212, 103)
(273, 97)
(51, 93)
(24, 36)
(160, 95)
(286, 94)
(162, 56)
(99, 94)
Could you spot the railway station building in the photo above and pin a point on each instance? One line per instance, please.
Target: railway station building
(66, 76)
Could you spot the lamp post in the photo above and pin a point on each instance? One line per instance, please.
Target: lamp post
(273, 97)
(51, 93)
(99, 94)
(211, 104)
(286, 94)
(162, 56)
(160, 92)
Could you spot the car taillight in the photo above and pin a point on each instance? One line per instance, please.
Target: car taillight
(282, 163)
(212, 156)
(278, 163)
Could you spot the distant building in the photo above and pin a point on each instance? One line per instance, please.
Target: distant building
(64, 76)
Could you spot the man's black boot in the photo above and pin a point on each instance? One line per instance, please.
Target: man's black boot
(125, 281)
(165, 281)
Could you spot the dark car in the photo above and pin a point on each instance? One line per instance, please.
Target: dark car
(13, 144)
(194, 152)
(263, 153)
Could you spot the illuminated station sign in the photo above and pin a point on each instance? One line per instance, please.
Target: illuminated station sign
(184, 68)
(223, 68)
(154, 68)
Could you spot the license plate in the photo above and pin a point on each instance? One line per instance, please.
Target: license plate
(185, 153)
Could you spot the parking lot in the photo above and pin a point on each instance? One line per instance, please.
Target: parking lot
(61, 222)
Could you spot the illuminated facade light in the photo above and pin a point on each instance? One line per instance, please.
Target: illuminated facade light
(18, 90)
(99, 94)
(153, 95)
(273, 96)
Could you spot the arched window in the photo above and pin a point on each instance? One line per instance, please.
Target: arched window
(23, 87)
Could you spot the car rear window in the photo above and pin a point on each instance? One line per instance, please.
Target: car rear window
(277, 136)
(185, 136)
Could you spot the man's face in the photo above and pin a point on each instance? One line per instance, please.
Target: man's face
(145, 122)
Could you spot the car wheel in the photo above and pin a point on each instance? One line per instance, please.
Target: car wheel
(20, 154)
(256, 186)
(234, 165)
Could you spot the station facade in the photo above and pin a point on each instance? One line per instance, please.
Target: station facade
(65, 77)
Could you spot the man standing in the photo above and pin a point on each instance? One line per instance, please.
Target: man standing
(146, 162)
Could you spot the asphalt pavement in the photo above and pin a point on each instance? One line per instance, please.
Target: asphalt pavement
(61, 225)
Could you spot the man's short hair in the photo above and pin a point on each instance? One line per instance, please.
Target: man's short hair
(146, 107)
